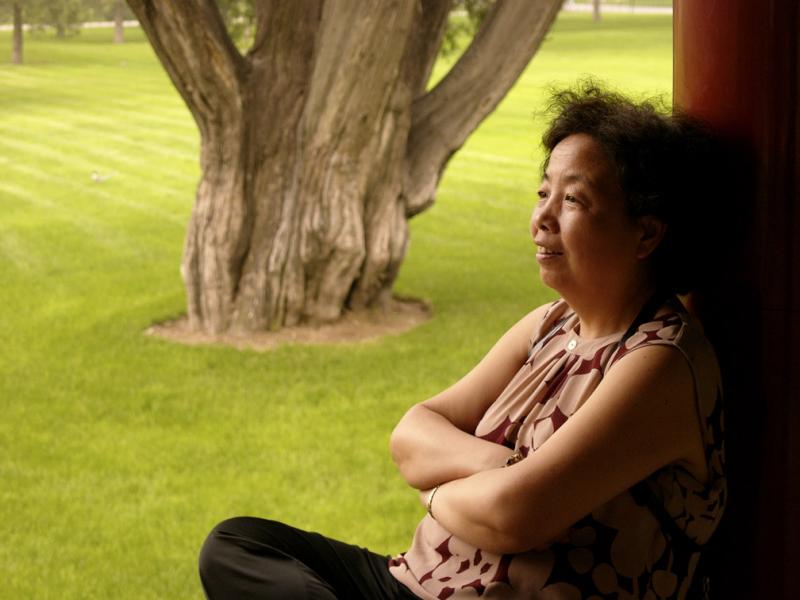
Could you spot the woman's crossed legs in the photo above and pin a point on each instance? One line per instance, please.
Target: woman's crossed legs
(247, 557)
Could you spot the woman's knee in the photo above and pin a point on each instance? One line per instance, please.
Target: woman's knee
(226, 539)
(219, 547)
(237, 560)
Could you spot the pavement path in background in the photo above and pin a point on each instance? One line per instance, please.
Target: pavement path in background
(618, 8)
(92, 25)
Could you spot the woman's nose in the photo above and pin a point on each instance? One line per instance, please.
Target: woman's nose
(536, 220)
(542, 217)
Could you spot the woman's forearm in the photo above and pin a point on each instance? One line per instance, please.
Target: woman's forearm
(429, 450)
(473, 509)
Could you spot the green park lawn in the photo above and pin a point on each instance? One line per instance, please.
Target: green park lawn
(119, 451)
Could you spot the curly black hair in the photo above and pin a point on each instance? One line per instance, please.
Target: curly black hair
(663, 160)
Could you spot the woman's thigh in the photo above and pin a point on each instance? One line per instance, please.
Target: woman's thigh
(251, 557)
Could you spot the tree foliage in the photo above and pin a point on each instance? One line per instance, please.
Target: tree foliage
(239, 17)
(65, 16)
(464, 20)
(105, 10)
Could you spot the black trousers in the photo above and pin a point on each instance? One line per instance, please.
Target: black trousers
(247, 557)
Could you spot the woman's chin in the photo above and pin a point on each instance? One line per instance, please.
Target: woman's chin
(550, 279)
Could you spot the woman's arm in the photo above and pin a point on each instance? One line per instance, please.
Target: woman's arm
(640, 418)
(428, 449)
(434, 442)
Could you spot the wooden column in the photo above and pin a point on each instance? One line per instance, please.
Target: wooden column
(737, 66)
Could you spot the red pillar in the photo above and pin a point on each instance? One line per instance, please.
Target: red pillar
(737, 66)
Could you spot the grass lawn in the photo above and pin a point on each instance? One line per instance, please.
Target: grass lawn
(118, 452)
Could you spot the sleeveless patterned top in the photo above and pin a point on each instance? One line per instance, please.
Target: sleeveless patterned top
(642, 544)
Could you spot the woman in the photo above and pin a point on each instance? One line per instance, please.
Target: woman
(582, 457)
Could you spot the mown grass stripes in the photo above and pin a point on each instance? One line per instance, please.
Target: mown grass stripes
(118, 451)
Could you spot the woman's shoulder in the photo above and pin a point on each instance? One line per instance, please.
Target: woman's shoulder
(673, 326)
(548, 316)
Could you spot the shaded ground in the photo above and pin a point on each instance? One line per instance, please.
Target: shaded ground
(401, 315)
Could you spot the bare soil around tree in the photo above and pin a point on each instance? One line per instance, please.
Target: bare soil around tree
(401, 315)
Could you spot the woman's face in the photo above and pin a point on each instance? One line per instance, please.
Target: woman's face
(586, 242)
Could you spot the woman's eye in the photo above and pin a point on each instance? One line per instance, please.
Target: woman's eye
(542, 194)
(570, 199)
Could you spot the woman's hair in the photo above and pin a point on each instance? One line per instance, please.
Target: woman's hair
(660, 159)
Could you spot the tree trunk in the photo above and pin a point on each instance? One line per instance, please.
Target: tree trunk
(596, 10)
(16, 52)
(119, 16)
(320, 143)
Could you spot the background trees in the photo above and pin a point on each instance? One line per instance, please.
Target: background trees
(64, 16)
(16, 52)
(17, 12)
(321, 141)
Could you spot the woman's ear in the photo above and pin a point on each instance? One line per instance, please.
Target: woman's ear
(652, 230)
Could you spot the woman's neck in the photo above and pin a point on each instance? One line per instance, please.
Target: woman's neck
(606, 313)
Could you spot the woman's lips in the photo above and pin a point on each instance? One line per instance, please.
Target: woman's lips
(547, 251)
(543, 253)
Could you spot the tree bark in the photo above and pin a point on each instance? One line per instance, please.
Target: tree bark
(320, 143)
(596, 11)
(119, 17)
(16, 51)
